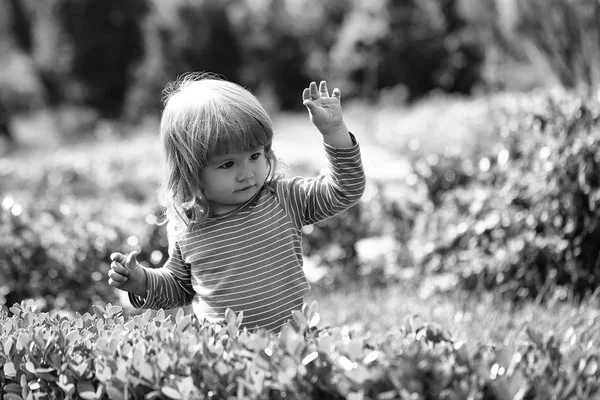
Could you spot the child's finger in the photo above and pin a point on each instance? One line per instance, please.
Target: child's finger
(323, 89)
(305, 95)
(131, 261)
(118, 257)
(314, 91)
(311, 106)
(116, 277)
(114, 283)
(337, 93)
(119, 268)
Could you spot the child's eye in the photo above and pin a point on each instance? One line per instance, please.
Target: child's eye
(256, 156)
(226, 165)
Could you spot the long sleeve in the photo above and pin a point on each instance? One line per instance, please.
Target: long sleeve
(310, 200)
(169, 286)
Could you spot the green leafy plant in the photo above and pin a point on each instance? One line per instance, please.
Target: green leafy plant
(527, 222)
(151, 356)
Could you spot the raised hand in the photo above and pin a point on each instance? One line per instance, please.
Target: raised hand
(325, 111)
(127, 274)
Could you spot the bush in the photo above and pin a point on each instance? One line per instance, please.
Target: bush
(528, 222)
(106, 356)
(59, 225)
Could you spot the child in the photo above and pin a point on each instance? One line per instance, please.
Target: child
(235, 225)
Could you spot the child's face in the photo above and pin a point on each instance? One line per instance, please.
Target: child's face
(229, 181)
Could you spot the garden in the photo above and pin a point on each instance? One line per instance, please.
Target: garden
(470, 269)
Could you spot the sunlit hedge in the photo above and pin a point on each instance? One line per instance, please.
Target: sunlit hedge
(527, 221)
(107, 356)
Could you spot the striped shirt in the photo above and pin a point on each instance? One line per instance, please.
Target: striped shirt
(250, 259)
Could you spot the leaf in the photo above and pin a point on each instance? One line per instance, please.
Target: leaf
(8, 325)
(536, 337)
(48, 374)
(114, 393)
(16, 310)
(160, 315)
(146, 371)
(139, 352)
(229, 316)
(504, 356)
(9, 370)
(98, 310)
(86, 390)
(184, 323)
(355, 349)
(359, 374)
(130, 325)
(23, 341)
(326, 344)
(12, 388)
(314, 320)
(291, 341)
(371, 357)
(9, 347)
(30, 367)
(114, 311)
(12, 396)
(300, 320)
(287, 372)
(179, 316)
(72, 337)
(171, 392)
(186, 386)
(239, 319)
(257, 378)
(150, 329)
(163, 361)
(145, 318)
(310, 358)
(345, 363)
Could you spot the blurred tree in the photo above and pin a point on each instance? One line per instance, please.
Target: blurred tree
(284, 44)
(5, 127)
(423, 45)
(565, 35)
(179, 37)
(105, 39)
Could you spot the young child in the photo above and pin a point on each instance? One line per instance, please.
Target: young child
(235, 225)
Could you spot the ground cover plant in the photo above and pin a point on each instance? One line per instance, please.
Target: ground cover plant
(103, 355)
(524, 349)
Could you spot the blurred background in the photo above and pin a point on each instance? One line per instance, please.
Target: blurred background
(478, 119)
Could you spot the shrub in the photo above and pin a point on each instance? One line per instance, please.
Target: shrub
(528, 221)
(106, 356)
(59, 225)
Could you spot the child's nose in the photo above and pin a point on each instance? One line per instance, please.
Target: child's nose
(245, 174)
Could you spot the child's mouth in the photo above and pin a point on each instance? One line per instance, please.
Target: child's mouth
(246, 188)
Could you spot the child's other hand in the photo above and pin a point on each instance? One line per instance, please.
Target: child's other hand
(325, 111)
(127, 274)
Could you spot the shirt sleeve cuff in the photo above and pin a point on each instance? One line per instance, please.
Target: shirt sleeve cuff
(334, 152)
(150, 301)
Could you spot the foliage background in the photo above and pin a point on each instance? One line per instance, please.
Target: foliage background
(465, 92)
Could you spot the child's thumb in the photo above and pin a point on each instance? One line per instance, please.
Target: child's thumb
(312, 107)
(132, 260)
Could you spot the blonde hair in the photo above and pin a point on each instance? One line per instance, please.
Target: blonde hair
(206, 116)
